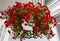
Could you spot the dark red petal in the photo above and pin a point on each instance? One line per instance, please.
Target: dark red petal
(7, 23)
(39, 29)
(45, 7)
(15, 25)
(1, 13)
(26, 24)
(34, 28)
(39, 3)
(9, 32)
(46, 27)
(21, 27)
(0, 16)
(14, 30)
(14, 37)
(51, 32)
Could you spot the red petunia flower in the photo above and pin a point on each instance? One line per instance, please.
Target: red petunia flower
(12, 16)
(31, 4)
(45, 19)
(39, 29)
(27, 5)
(46, 27)
(15, 26)
(55, 23)
(28, 8)
(24, 13)
(7, 23)
(18, 5)
(51, 20)
(36, 10)
(17, 11)
(45, 7)
(51, 33)
(35, 14)
(47, 14)
(40, 21)
(27, 17)
(34, 28)
(7, 12)
(12, 20)
(36, 22)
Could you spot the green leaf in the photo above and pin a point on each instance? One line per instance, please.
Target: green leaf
(31, 22)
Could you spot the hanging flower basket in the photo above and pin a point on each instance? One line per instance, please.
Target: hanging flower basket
(29, 20)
